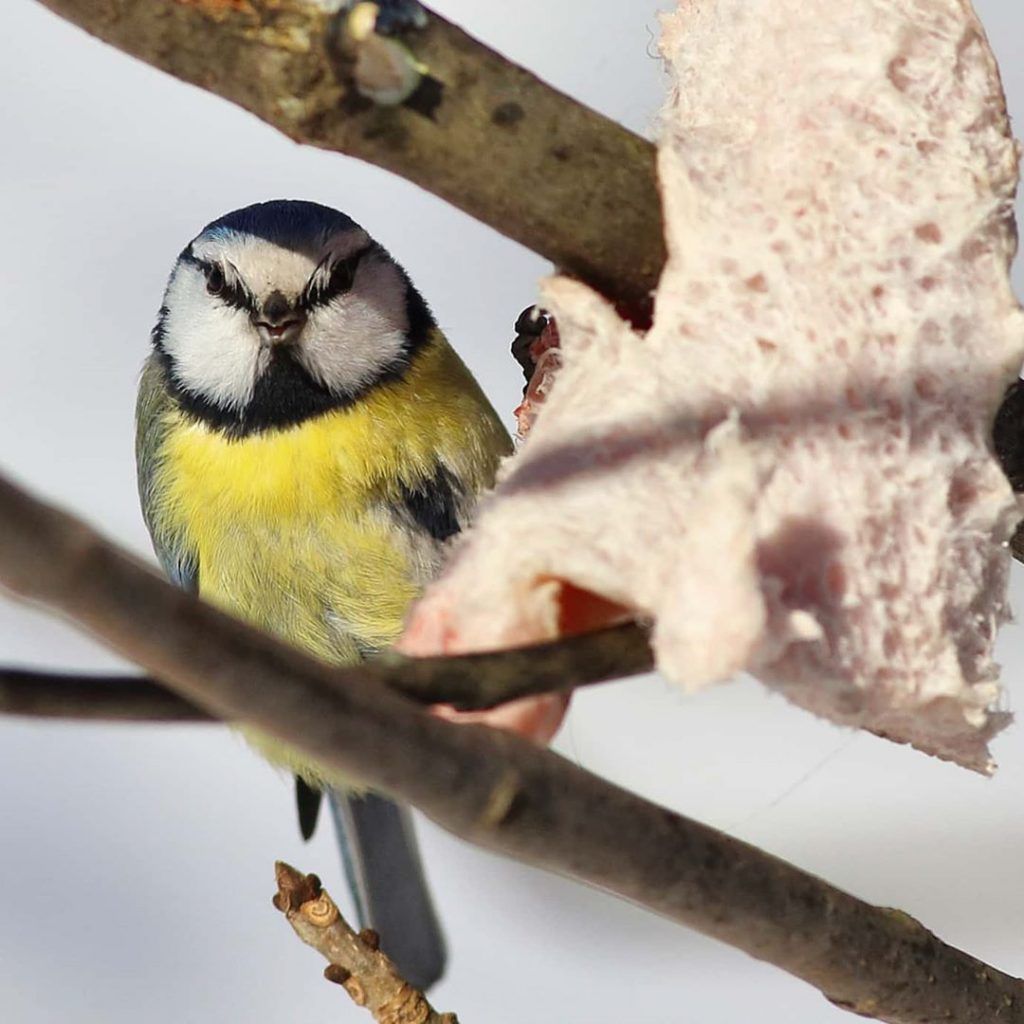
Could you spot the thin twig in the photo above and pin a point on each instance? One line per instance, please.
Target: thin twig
(354, 959)
(471, 682)
(494, 139)
(121, 698)
(497, 790)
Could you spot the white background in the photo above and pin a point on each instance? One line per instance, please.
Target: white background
(136, 862)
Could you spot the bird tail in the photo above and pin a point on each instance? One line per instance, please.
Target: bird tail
(382, 864)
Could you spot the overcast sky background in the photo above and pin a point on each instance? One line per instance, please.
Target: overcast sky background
(137, 862)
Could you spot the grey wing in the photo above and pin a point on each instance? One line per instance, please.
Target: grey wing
(390, 891)
(178, 560)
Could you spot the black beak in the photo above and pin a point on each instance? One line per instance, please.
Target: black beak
(279, 322)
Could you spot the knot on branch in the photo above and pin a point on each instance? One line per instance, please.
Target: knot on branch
(381, 67)
(336, 974)
(320, 912)
(355, 989)
(406, 1006)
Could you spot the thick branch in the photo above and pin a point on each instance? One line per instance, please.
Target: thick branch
(472, 682)
(354, 960)
(495, 141)
(497, 790)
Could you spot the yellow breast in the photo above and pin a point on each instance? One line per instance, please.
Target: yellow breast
(294, 529)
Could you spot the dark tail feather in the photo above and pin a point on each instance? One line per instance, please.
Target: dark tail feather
(307, 800)
(382, 863)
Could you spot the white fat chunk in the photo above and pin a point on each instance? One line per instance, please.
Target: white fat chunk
(791, 473)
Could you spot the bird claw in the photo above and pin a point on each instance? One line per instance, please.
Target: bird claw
(530, 325)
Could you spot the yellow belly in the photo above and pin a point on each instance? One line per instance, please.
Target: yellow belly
(286, 539)
(291, 541)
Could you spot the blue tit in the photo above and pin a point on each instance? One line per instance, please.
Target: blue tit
(307, 442)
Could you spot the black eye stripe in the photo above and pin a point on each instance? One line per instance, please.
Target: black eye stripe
(230, 290)
(325, 287)
(236, 295)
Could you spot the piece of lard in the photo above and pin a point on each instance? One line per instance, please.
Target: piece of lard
(791, 473)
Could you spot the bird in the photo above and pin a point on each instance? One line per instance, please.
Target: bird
(308, 443)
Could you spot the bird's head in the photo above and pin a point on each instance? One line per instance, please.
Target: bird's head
(281, 311)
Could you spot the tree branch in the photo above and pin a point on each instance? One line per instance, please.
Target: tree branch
(495, 140)
(121, 698)
(497, 790)
(471, 682)
(354, 960)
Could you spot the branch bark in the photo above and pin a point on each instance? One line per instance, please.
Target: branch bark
(497, 790)
(472, 682)
(495, 141)
(354, 960)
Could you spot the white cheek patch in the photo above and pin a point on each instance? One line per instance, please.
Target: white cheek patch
(348, 343)
(215, 350)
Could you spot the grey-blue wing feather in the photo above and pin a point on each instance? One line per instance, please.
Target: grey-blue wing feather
(179, 561)
(181, 566)
(385, 876)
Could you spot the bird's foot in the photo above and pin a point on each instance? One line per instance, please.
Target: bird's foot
(530, 325)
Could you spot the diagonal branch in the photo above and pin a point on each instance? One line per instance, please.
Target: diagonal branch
(470, 682)
(495, 141)
(497, 790)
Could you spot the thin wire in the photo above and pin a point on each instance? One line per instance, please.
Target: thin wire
(790, 790)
